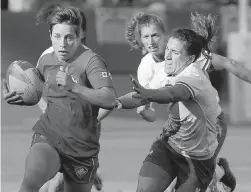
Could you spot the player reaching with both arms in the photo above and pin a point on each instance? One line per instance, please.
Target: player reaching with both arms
(67, 134)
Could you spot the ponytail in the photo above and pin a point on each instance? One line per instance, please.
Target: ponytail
(204, 26)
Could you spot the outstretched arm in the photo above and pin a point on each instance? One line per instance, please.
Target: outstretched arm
(165, 95)
(219, 63)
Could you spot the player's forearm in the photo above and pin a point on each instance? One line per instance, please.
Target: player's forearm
(166, 95)
(232, 66)
(129, 102)
(240, 71)
(103, 98)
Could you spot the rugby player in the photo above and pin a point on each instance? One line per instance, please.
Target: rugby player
(56, 183)
(146, 32)
(77, 84)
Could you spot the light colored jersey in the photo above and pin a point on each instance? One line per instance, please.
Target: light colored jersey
(147, 68)
(196, 117)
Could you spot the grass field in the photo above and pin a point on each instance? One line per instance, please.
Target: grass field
(125, 141)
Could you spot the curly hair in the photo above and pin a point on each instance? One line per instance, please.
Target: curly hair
(133, 30)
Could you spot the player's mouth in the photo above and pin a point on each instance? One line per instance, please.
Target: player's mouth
(168, 62)
(153, 48)
(63, 53)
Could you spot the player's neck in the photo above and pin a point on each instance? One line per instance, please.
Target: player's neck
(158, 58)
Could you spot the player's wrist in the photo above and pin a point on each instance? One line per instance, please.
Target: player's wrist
(75, 87)
(118, 104)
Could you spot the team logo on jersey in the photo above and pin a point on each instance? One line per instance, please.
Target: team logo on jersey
(80, 171)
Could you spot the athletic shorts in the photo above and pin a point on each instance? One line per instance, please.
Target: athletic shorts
(163, 155)
(222, 126)
(77, 169)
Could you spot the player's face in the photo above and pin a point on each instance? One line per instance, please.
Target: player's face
(64, 41)
(153, 39)
(176, 56)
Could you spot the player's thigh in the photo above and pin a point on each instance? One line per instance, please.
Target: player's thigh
(42, 162)
(202, 176)
(192, 184)
(70, 186)
(157, 171)
(153, 178)
(79, 173)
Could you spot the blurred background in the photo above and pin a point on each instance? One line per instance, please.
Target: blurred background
(22, 39)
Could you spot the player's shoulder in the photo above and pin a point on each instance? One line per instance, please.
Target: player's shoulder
(47, 51)
(191, 75)
(193, 71)
(45, 57)
(88, 54)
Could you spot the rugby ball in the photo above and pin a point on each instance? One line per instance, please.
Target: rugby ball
(23, 77)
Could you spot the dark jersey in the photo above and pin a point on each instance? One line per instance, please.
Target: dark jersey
(70, 122)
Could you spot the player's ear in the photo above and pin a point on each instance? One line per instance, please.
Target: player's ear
(50, 33)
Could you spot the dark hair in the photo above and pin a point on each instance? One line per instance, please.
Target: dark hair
(52, 14)
(133, 31)
(199, 38)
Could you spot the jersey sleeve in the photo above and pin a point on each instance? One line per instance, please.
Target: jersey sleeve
(192, 82)
(144, 73)
(98, 74)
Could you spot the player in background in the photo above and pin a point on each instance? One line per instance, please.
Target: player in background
(77, 84)
(57, 182)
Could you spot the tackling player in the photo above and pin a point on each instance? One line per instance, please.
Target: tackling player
(191, 126)
(146, 32)
(77, 84)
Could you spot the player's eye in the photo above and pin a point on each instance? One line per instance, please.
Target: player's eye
(70, 38)
(57, 37)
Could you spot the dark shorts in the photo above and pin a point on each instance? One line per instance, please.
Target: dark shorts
(78, 170)
(163, 155)
(222, 126)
